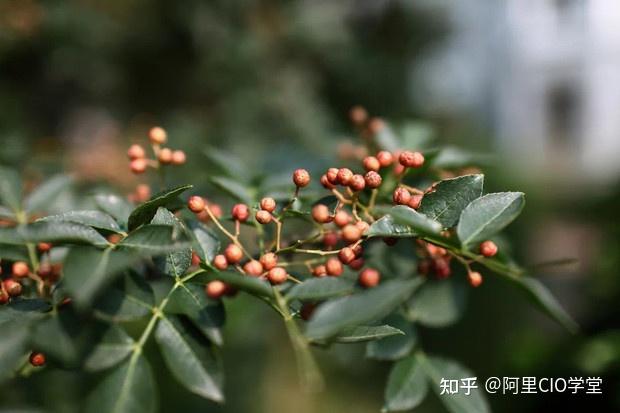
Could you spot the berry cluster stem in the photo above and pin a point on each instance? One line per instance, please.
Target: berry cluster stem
(233, 238)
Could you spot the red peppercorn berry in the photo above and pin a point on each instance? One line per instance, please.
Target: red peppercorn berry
(277, 275)
(37, 359)
(301, 178)
(233, 254)
(488, 249)
(269, 260)
(196, 204)
(369, 278)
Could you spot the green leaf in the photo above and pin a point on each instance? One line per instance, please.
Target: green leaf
(452, 158)
(420, 223)
(191, 361)
(228, 163)
(61, 337)
(334, 315)
(360, 334)
(387, 140)
(22, 309)
(175, 263)
(46, 193)
(437, 368)
(13, 252)
(450, 197)
(55, 232)
(131, 299)
(251, 285)
(205, 242)
(129, 388)
(6, 213)
(146, 211)
(541, 296)
(407, 385)
(115, 206)
(233, 188)
(13, 348)
(487, 215)
(155, 239)
(438, 303)
(115, 345)
(87, 270)
(208, 315)
(96, 219)
(386, 227)
(415, 134)
(320, 289)
(396, 347)
(10, 188)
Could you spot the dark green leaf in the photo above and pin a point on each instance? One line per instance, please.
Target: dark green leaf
(386, 227)
(320, 289)
(115, 345)
(21, 309)
(131, 299)
(541, 296)
(13, 252)
(155, 239)
(208, 315)
(334, 315)
(96, 219)
(450, 197)
(366, 333)
(146, 211)
(46, 193)
(487, 215)
(438, 303)
(115, 206)
(13, 348)
(419, 223)
(191, 361)
(175, 263)
(87, 270)
(233, 188)
(396, 347)
(61, 337)
(206, 244)
(10, 188)
(251, 285)
(129, 388)
(55, 232)
(436, 368)
(231, 165)
(407, 385)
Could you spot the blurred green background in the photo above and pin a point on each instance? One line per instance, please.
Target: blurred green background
(272, 81)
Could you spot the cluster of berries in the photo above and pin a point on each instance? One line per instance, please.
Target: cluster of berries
(266, 266)
(138, 162)
(437, 260)
(13, 286)
(45, 275)
(348, 222)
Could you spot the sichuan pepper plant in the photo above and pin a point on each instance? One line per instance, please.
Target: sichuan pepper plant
(362, 252)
